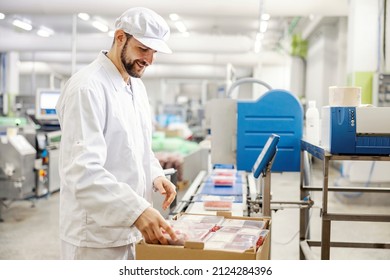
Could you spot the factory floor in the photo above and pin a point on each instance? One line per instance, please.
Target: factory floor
(30, 228)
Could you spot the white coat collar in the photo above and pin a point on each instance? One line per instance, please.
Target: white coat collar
(112, 72)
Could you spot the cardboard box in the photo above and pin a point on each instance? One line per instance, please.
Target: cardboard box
(195, 251)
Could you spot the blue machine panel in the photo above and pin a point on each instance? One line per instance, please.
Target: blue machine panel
(345, 140)
(343, 130)
(277, 111)
(265, 156)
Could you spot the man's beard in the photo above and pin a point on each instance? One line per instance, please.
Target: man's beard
(130, 66)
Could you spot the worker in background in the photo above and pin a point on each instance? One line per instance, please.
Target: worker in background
(107, 168)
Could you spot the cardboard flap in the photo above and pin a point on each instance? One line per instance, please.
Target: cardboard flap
(193, 245)
(251, 250)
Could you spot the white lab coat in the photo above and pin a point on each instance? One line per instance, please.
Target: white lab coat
(106, 163)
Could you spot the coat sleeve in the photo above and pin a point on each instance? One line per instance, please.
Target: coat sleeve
(109, 202)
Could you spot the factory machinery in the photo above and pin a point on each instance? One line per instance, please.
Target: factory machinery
(17, 175)
(25, 154)
(244, 141)
(242, 193)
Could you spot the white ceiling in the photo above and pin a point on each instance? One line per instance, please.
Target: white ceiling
(221, 32)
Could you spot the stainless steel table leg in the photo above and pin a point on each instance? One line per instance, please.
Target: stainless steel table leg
(267, 195)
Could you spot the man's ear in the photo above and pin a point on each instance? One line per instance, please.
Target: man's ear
(120, 37)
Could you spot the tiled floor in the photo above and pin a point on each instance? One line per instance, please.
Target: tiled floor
(31, 232)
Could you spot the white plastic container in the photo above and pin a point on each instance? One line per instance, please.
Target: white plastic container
(313, 124)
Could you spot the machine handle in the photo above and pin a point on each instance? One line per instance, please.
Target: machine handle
(244, 81)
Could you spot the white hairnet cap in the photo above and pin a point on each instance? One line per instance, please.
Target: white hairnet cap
(147, 27)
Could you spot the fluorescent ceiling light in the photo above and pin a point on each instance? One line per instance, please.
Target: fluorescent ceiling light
(23, 24)
(180, 26)
(100, 26)
(263, 26)
(83, 16)
(45, 32)
(2, 16)
(265, 16)
(174, 17)
(259, 36)
(258, 42)
(257, 46)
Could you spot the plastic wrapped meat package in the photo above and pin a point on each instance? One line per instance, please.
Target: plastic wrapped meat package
(263, 235)
(187, 231)
(217, 205)
(236, 238)
(209, 197)
(236, 175)
(218, 233)
(230, 241)
(242, 242)
(210, 237)
(227, 173)
(244, 223)
(240, 230)
(224, 172)
(215, 220)
(223, 181)
(192, 228)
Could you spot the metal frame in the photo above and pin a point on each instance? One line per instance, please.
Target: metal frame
(327, 218)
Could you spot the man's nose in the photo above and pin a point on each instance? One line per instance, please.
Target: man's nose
(149, 57)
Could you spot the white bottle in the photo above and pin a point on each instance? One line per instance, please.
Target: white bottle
(313, 124)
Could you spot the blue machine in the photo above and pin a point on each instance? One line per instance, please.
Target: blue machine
(241, 132)
(356, 130)
(279, 112)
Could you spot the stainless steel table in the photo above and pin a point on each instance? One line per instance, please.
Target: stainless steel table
(326, 218)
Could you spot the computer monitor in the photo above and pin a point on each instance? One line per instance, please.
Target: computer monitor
(45, 103)
(266, 155)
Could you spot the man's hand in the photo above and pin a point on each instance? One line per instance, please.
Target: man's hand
(165, 187)
(150, 223)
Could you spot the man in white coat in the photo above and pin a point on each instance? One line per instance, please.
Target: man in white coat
(107, 168)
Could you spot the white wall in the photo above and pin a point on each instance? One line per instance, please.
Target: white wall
(277, 76)
(363, 39)
(12, 73)
(297, 74)
(325, 62)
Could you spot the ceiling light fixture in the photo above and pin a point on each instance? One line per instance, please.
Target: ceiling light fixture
(100, 25)
(180, 26)
(258, 42)
(45, 32)
(263, 25)
(83, 16)
(174, 17)
(23, 24)
(2, 16)
(265, 16)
